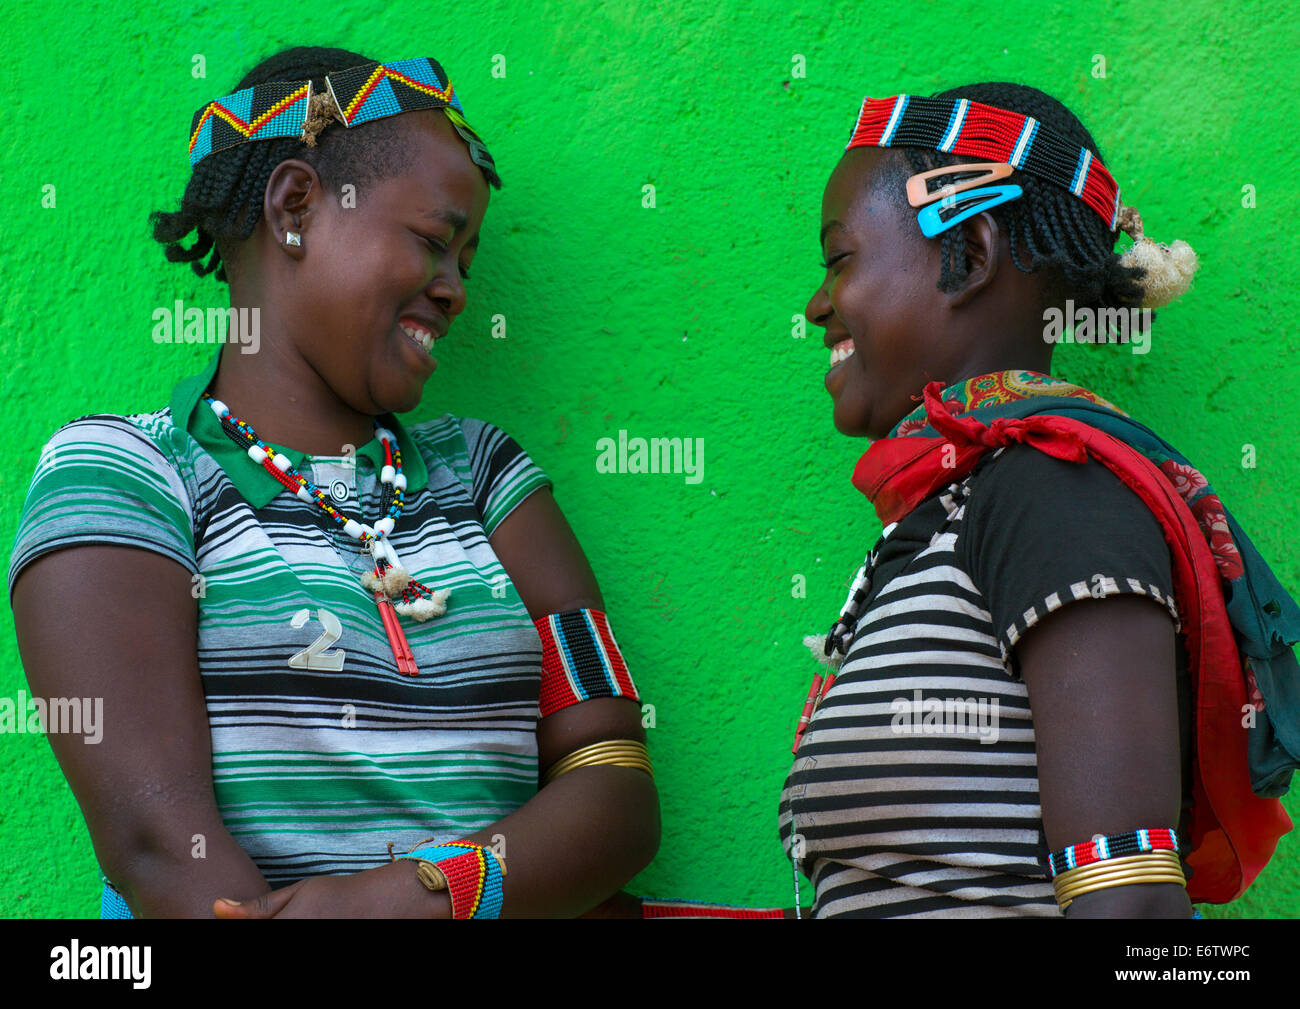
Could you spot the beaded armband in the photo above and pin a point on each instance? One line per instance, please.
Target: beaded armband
(580, 660)
(470, 873)
(699, 909)
(1102, 847)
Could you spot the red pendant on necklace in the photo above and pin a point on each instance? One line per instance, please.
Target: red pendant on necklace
(401, 650)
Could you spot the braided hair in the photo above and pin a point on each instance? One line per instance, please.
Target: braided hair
(1050, 229)
(223, 198)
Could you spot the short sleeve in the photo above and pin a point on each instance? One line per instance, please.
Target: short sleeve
(1040, 533)
(502, 472)
(101, 480)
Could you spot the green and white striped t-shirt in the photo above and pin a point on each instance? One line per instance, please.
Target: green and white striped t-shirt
(321, 751)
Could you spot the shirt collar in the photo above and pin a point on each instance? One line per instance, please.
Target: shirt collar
(254, 484)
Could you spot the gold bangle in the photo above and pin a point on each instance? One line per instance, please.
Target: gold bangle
(608, 748)
(1150, 867)
(640, 763)
(1075, 884)
(1071, 884)
(1113, 865)
(1121, 881)
(1154, 859)
(619, 752)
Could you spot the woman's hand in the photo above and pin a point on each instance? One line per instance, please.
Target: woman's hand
(389, 891)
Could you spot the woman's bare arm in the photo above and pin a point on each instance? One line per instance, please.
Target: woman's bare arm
(1105, 706)
(588, 832)
(119, 623)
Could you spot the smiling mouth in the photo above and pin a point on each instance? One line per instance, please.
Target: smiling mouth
(841, 352)
(420, 335)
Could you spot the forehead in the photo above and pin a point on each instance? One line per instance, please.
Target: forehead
(852, 195)
(440, 173)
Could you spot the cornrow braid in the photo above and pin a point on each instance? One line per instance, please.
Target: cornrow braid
(222, 202)
(1049, 229)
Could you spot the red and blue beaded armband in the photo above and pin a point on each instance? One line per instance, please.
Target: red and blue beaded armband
(580, 660)
(1103, 847)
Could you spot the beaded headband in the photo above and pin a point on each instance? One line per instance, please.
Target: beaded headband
(961, 126)
(358, 95)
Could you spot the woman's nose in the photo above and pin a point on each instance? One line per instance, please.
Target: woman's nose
(447, 290)
(818, 309)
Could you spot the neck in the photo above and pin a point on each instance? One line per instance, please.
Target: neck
(280, 394)
(1023, 352)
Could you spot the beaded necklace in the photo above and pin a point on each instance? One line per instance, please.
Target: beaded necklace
(388, 580)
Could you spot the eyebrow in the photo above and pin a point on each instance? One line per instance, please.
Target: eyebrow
(453, 217)
(456, 219)
(827, 227)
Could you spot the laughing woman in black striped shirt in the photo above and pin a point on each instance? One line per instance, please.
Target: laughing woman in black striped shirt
(1013, 676)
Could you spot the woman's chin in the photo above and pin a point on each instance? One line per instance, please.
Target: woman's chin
(852, 421)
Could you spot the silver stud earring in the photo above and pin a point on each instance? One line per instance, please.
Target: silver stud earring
(292, 238)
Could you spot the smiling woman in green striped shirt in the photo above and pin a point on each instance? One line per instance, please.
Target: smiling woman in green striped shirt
(260, 743)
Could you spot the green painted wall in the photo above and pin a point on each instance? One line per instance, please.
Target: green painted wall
(671, 321)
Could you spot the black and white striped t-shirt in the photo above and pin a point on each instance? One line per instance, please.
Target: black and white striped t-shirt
(915, 788)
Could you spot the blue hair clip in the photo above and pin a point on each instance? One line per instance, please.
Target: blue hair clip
(986, 199)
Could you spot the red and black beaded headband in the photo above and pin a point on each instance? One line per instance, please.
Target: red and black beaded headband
(359, 94)
(973, 129)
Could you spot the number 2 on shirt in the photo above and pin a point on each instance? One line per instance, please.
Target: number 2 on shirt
(315, 655)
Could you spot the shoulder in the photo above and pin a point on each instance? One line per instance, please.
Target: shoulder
(114, 441)
(450, 435)
(1023, 481)
(466, 441)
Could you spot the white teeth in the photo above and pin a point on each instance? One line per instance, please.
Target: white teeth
(841, 352)
(420, 336)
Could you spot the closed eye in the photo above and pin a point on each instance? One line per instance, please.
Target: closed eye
(827, 264)
(440, 249)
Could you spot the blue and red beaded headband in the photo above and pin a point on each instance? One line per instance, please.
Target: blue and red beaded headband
(961, 126)
(358, 95)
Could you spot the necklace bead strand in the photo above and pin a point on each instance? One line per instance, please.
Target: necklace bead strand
(416, 599)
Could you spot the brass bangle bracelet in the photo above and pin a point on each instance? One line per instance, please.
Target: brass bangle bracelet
(1066, 887)
(1151, 867)
(1065, 896)
(596, 758)
(621, 752)
(1120, 881)
(1150, 860)
(607, 746)
(1111, 865)
(638, 763)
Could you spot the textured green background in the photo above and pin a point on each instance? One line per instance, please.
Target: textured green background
(672, 321)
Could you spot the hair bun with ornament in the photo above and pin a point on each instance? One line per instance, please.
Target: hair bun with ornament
(1168, 268)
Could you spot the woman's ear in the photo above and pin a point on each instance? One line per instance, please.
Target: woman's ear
(982, 238)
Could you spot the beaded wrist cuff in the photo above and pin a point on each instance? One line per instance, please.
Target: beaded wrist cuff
(470, 873)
